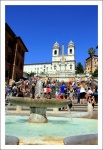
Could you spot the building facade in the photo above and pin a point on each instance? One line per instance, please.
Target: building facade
(94, 64)
(14, 55)
(60, 63)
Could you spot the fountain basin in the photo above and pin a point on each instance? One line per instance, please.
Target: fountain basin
(38, 106)
(42, 102)
(54, 132)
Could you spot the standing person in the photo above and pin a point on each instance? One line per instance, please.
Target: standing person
(32, 91)
(95, 94)
(57, 91)
(63, 89)
(69, 83)
(71, 95)
(44, 90)
(82, 92)
(14, 90)
(90, 82)
(78, 94)
(8, 90)
(48, 81)
(53, 86)
(75, 89)
(48, 92)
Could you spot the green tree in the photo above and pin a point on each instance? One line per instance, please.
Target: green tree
(79, 68)
(91, 52)
(95, 74)
(42, 73)
(32, 74)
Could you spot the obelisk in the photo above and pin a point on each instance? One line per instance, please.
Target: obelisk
(62, 53)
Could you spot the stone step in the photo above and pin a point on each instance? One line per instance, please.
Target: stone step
(75, 107)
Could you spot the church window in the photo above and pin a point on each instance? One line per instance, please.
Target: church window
(55, 52)
(70, 66)
(54, 67)
(70, 51)
(44, 66)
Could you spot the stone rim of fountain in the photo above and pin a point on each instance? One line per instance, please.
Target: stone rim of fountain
(38, 106)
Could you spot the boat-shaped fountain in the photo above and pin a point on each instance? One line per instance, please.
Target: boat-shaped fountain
(39, 105)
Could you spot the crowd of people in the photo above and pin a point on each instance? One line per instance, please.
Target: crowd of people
(78, 91)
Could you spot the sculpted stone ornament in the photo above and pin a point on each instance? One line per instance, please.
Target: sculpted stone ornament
(39, 92)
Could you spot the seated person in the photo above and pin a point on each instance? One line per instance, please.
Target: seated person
(91, 100)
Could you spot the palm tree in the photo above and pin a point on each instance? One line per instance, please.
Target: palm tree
(97, 47)
(91, 52)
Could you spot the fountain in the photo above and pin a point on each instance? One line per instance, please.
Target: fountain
(39, 105)
(38, 132)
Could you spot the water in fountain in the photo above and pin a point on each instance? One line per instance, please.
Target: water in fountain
(69, 112)
(49, 133)
(39, 92)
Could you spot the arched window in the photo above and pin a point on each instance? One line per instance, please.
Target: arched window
(54, 67)
(70, 66)
(70, 51)
(55, 52)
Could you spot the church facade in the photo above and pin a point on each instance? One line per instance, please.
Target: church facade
(60, 63)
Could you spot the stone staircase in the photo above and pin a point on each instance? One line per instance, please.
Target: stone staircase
(75, 107)
(82, 107)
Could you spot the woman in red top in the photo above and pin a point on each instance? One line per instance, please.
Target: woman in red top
(48, 92)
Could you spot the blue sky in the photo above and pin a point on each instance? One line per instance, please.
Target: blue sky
(41, 26)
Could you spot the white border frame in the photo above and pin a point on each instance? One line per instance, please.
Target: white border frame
(3, 3)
